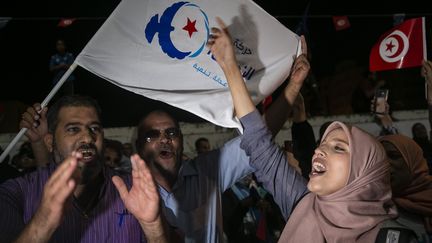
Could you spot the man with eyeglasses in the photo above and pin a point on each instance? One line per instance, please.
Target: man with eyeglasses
(190, 190)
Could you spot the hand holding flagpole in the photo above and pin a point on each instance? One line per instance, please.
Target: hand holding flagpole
(43, 104)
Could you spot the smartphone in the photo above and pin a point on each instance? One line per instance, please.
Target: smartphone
(288, 146)
(381, 96)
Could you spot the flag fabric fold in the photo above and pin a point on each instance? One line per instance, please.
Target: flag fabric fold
(157, 48)
(402, 46)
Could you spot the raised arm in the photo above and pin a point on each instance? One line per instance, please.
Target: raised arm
(143, 201)
(304, 142)
(221, 46)
(426, 72)
(384, 119)
(272, 168)
(278, 112)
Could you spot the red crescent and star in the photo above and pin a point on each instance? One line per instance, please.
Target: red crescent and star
(390, 45)
(190, 27)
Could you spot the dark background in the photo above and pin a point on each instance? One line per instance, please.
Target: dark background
(28, 41)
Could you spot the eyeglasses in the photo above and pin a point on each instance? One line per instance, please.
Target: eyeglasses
(153, 135)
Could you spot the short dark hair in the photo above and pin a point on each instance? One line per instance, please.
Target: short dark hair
(199, 140)
(415, 126)
(141, 129)
(70, 101)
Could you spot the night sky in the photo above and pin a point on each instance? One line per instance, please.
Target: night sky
(28, 41)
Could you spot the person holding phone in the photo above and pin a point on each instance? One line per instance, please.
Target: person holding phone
(381, 109)
(380, 99)
(365, 91)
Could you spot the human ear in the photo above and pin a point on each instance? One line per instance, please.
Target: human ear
(48, 140)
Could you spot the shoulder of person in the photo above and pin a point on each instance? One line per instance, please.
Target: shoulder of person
(393, 232)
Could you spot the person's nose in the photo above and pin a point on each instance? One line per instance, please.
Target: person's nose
(163, 138)
(319, 151)
(88, 136)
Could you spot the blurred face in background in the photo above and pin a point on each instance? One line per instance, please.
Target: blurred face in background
(112, 158)
(400, 175)
(60, 46)
(127, 149)
(203, 146)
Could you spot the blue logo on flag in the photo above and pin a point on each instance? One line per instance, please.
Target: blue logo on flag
(183, 30)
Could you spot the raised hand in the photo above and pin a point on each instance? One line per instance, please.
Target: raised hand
(142, 200)
(301, 66)
(281, 108)
(426, 71)
(221, 45)
(299, 109)
(57, 190)
(50, 212)
(34, 119)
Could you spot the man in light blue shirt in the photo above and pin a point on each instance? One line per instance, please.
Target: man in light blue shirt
(191, 190)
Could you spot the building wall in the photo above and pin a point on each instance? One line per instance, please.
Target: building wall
(218, 135)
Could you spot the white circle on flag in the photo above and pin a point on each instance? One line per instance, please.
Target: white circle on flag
(394, 47)
(190, 29)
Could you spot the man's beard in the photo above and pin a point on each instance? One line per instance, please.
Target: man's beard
(169, 175)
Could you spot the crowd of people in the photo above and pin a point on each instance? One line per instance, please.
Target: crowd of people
(74, 185)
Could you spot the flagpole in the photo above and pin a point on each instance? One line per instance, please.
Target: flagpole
(43, 104)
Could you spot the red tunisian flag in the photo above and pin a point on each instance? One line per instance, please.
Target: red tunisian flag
(401, 47)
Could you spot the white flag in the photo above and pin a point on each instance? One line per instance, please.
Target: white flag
(157, 48)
